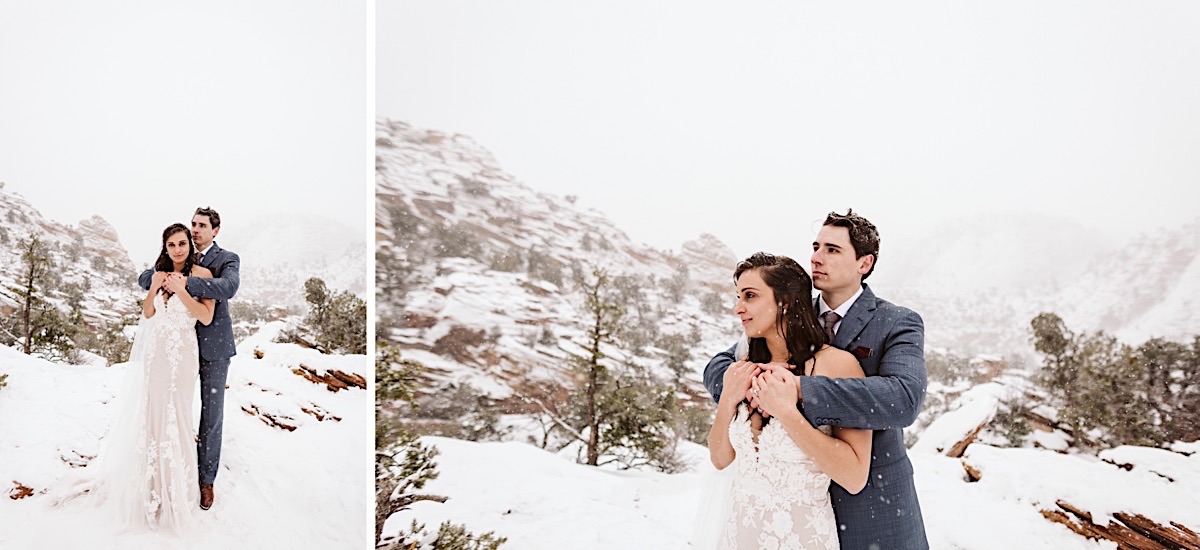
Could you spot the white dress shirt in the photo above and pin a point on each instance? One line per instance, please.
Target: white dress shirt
(822, 307)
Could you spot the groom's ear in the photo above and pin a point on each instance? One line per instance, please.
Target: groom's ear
(215, 231)
(864, 263)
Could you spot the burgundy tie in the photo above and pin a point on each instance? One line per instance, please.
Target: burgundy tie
(831, 318)
(196, 258)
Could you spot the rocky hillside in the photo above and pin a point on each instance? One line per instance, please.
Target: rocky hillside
(89, 266)
(476, 271)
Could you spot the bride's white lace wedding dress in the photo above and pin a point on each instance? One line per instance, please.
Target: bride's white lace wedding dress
(780, 498)
(146, 473)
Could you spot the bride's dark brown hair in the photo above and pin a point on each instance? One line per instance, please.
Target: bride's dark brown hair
(164, 263)
(796, 318)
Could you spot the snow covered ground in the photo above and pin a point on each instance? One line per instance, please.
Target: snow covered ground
(306, 488)
(539, 500)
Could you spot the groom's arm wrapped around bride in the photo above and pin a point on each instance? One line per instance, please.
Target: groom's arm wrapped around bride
(222, 286)
(891, 395)
(890, 347)
(225, 280)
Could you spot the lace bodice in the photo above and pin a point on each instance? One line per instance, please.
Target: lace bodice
(780, 496)
(173, 312)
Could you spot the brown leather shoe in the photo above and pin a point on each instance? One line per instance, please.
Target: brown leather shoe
(206, 496)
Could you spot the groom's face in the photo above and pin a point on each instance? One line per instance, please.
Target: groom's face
(203, 232)
(834, 266)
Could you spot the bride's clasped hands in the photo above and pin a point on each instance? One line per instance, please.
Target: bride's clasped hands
(773, 390)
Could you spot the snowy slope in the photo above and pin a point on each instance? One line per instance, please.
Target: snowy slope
(545, 501)
(305, 488)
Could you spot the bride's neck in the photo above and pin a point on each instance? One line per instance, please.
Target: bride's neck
(179, 267)
(778, 349)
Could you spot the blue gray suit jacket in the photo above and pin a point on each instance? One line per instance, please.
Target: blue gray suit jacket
(216, 338)
(889, 342)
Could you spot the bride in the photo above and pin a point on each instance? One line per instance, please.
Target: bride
(782, 465)
(147, 473)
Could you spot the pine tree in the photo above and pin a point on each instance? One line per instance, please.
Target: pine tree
(337, 321)
(403, 465)
(604, 319)
(1117, 393)
(36, 263)
(619, 410)
(39, 324)
(317, 296)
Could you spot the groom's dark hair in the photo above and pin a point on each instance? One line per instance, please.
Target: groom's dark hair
(863, 235)
(214, 219)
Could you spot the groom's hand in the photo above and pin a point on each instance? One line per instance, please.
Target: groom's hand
(778, 389)
(176, 283)
(783, 373)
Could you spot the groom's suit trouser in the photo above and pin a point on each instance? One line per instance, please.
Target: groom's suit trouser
(212, 412)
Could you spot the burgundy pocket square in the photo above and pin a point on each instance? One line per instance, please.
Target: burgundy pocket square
(862, 352)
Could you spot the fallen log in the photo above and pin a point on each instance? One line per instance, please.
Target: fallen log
(1057, 516)
(957, 450)
(350, 379)
(269, 419)
(334, 380)
(1130, 531)
(309, 374)
(320, 414)
(333, 384)
(1172, 538)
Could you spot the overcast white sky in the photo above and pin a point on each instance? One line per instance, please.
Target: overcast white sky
(751, 121)
(140, 111)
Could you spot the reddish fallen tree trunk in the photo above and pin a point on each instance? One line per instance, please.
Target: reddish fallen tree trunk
(960, 447)
(1130, 531)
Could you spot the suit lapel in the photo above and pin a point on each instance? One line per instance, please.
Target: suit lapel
(207, 260)
(856, 319)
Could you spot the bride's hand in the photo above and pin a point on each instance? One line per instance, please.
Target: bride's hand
(737, 380)
(752, 395)
(157, 280)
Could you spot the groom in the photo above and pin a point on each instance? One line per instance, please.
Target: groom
(216, 340)
(888, 341)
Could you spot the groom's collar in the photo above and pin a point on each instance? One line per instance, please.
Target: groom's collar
(843, 309)
(211, 246)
